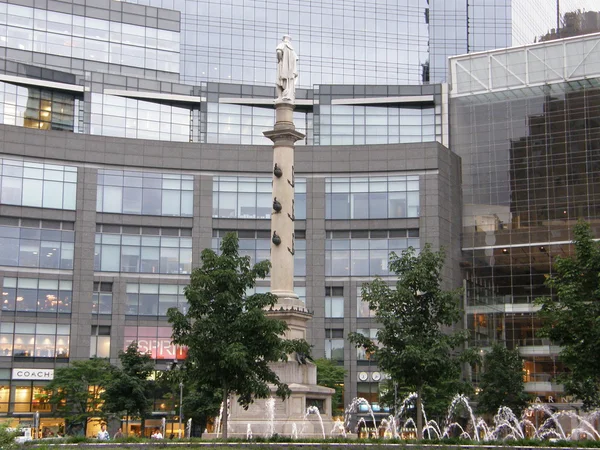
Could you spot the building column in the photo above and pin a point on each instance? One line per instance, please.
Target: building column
(83, 263)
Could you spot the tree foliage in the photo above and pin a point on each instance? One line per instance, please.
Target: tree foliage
(412, 346)
(130, 392)
(7, 437)
(571, 316)
(75, 392)
(230, 337)
(502, 381)
(330, 375)
(200, 402)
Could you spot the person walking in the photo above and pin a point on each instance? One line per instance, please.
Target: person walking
(118, 434)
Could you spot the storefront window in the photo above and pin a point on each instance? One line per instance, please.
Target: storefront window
(155, 341)
(4, 396)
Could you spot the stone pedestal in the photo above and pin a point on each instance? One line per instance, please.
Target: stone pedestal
(290, 417)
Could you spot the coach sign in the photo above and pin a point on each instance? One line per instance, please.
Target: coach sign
(33, 374)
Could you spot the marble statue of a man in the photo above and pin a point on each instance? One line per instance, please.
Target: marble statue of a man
(287, 70)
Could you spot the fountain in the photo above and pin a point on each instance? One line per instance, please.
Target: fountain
(505, 426)
(361, 415)
(315, 410)
(188, 428)
(270, 404)
(357, 405)
(338, 429)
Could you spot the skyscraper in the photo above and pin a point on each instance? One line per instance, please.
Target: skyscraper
(525, 123)
(131, 138)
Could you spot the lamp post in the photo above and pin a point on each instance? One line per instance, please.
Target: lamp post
(180, 406)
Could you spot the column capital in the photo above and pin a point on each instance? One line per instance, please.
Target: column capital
(284, 135)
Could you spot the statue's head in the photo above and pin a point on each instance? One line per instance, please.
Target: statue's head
(286, 38)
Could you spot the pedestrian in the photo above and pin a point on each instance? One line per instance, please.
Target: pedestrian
(103, 434)
(157, 434)
(118, 434)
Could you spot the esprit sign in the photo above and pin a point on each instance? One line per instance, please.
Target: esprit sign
(33, 374)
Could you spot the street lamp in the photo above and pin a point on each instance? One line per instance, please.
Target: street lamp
(180, 406)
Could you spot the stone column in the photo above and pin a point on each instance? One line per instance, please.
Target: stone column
(289, 307)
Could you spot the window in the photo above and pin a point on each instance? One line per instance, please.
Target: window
(37, 295)
(251, 198)
(95, 40)
(4, 395)
(241, 124)
(145, 193)
(365, 253)
(334, 302)
(372, 197)
(100, 341)
(29, 397)
(361, 353)
(29, 246)
(145, 299)
(168, 251)
(102, 298)
(156, 341)
(37, 185)
(342, 125)
(363, 306)
(34, 340)
(42, 109)
(334, 344)
(139, 119)
(257, 245)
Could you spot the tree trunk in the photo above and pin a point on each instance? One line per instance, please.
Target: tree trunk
(224, 419)
(419, 416)
(143, 424)
(126, 423)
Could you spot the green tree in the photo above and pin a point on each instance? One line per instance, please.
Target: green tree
(130, 392)
(571, 316)
(199, 402)
(231, 339)
(7, 437)
(412, 348)
(330, 375)
(75, 392)
(502, 381)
